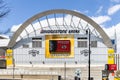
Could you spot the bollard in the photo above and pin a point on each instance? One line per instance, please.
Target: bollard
(79, 79)
(59, 77)
(75, 78)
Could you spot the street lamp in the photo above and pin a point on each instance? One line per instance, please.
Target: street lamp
(89, 50)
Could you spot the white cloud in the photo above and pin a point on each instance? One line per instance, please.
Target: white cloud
(100, 9)
(111, 33)
(15, 27)
(115, 1)
(112, 10)
(86, 11)
(101, 19)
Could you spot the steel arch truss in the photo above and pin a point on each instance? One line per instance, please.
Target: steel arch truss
(59, 19)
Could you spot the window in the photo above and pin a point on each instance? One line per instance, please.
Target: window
(25, 46)
(36, 42)
(82, 43)
(93, 43)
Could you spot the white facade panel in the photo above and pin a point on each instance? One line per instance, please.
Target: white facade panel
(22, 55)
(4, 42)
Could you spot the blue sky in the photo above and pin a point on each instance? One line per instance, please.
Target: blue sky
(105, 12)
(99, 10)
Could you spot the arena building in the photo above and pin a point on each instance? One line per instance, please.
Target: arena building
(58, 41)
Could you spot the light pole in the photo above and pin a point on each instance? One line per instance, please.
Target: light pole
(89, 50)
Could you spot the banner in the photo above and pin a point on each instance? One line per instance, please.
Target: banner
(9, 57)
(111, 56)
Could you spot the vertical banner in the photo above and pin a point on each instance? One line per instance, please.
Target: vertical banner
(111, 56)
(59, 46)
(9, 57)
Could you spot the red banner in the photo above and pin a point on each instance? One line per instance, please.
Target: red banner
(59, 46)
(63, 46)
(112, 67)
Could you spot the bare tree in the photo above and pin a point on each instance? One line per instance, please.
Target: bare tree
(4, 10)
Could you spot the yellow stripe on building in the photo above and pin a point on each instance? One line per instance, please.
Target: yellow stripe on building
(110, 56)
(9, 57)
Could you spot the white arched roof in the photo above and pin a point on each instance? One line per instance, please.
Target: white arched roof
(59, 19)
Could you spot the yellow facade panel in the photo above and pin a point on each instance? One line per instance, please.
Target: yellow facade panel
(49, 54)
(9, 57)
(110, 56)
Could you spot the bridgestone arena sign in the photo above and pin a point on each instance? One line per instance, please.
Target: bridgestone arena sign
(60, 31)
